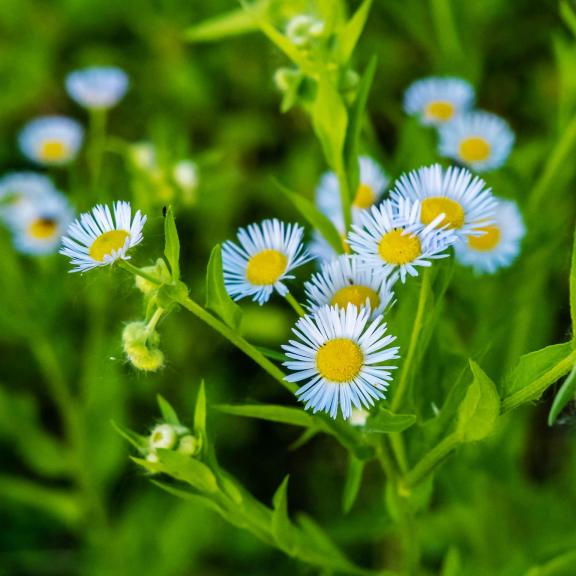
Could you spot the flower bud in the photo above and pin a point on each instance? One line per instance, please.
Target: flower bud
(140, 346)
(146, 359)
(189, 445)
(162, 436)
(303, 28)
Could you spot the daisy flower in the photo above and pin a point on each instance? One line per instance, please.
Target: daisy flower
(481, 140)
(17, 188)
(340, 354)
(373, 183)
(98, 239)
(391, 239)
(343, 281)
(461, 198)
(267, 253)
(499, 245)
(437, 100)
(97, 88)
(39, 224)
(51, 140)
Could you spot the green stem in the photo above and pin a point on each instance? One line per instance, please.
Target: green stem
(151, 326)
(446, 32)
(97, 146)
(292, 301)
(345, 200)
(431, 460)
(237, 340)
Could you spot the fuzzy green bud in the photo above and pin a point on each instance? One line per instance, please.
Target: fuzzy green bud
(189, 445)
(140, 346)
(159, 271)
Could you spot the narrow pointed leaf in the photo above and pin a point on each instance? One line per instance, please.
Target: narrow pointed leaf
(139, 442)
(566, 394)
(282, 414)
(350, 34)
(200, 412)
(281, 525)
(168, 413)
(353, 482)
(172, 244)
(234, 23)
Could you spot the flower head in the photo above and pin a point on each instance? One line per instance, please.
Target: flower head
(344, 281)
(51, 140)
(99, 238)
(391, 239)
(437, 100)
(340, 353)
(19, 188)
(455, 194)
(97, 88)
(481, 140)
(267, 253)
(499, 244)
(372, 184)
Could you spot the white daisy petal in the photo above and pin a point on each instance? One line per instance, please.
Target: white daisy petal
(97, 88)
(100, 238)
(341, 373)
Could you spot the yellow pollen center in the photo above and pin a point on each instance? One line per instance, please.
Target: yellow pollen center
(356, 295)
(398, 248)
(339, 360)
(439, 110)
(364, 196)
(106, 243)
(266, 267)
(436, 205)
(43, 228)
(53, 150)
(488, 241)
(474, 149)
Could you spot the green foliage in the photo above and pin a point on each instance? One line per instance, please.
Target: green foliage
(172, 246)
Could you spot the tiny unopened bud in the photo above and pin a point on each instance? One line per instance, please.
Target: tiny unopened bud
(159, 271)
(140, 346)
(162, 436)
(358, 417)
(146, 359)
(143, 156)
(286, 78)
(303, 28)
(189, 445)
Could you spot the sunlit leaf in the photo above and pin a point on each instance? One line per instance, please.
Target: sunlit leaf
(352, 30)
(281, 525)
(172, 244)
(386, 422)
(168, 413)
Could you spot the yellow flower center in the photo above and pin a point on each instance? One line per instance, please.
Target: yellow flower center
(474, 149)
(398, 248)
(364, 197)
(105, 244)
(266, 267)
(488, 241)
(53, 151)
(436, 205)
(356, 295)
(43, 228)
(439, 110)
(339, 360)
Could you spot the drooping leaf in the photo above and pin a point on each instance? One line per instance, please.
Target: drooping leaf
(353, 482)
(386, 422)
(281, 526)
(352, 30)
(282, 414)
(566, 394)
(233, 23)
(172, 243)
(168, 413)
(217, 298)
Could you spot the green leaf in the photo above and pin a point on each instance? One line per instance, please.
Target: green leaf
(139, 442)
(282, 414)
(386, 422)
(568, 15)
(350, 34)
(452, 565)
(187, 469)
(352, 143)
(480, 408)
(172, 244)
(217, 298)
(353, 482)
(330, 121)
(535, 372)
(187, 494)
(282, 529)
(168, 413)
(573, 290)
(234, 23)
(566, 394)
(315, 218)
(200, 412)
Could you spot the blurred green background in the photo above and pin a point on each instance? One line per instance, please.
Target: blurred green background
(80, 507)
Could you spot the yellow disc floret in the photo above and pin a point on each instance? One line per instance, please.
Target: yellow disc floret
(43, 228)
(398, 248)
(435, 205)
(356, 295)
(474, 149)
(266, 267)
(339, 360)
(364, 197)
(108, 242)
(440, 110)
(488, 241)
(53, 151)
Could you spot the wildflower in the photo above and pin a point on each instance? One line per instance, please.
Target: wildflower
(340, 354)
(437, 100)
(391, 239)
(51, 140)
(455, 194)
(303, 28)
(499, 245)
(163, 436)
(97, 88)
(98, 239)
(38, 224)
(481, 140)
(373, 183)
(343, 281)
(267, 253)
(18, 188)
